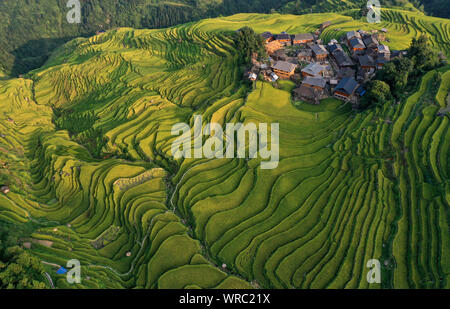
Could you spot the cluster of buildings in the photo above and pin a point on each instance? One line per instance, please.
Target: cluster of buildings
(339, 68)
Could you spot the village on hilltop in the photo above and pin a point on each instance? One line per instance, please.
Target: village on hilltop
(339, 68)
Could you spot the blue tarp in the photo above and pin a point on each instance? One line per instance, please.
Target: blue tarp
(61, 271)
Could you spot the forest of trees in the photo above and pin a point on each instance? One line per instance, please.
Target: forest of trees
(248, 43)
(437, 8)
(18, 268)
(402, 74)
(32, 29)
(81, 128)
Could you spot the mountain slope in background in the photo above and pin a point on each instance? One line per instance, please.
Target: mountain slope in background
(31, 29)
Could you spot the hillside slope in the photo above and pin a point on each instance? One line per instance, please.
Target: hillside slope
(31, 29)
(350, 186)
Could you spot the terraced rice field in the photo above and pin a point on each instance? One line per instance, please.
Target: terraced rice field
(349, 187)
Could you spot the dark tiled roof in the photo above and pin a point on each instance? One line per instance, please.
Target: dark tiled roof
(357, 43)
(266, 35)
(314, 81)
(342, 58)
(334, 47)
(319, 49)
(283, 36)
(370, 39)
(303, 37)
(382, 59)
(347, 85)
(383, 49)
(346, 72)
(313, 69)
(309, 92)
(366, 60)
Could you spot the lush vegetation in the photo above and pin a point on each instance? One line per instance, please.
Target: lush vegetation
(32, 29)
(322, 6)
(248, 43)
(439, 8)
(405, 71)
(18, 269)
(80, 127)
(378, 93)
(349, 186)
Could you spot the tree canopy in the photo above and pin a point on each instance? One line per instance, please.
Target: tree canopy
(18, 268)
(247, 43)
(423, 56)
(406, 71)
(378, 93)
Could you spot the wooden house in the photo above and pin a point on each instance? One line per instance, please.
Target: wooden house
(273, 46)
(303, 38)
(319, 51)
(314, 82)
(346, 88)
(284, 69)
(313, 70)
(284, 38)
(267, 37)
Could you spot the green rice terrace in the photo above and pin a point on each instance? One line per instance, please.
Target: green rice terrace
(349, 186)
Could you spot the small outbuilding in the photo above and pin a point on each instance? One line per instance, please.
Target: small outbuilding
(325, 25)
(252, 76)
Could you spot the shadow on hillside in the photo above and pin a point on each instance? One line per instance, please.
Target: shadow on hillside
(34, 53)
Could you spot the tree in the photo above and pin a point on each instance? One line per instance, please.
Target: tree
(21, 270)
(18, 268)
(378, 93)
(403, 72)
(422, 54)
(247, 43)
(396, 74)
